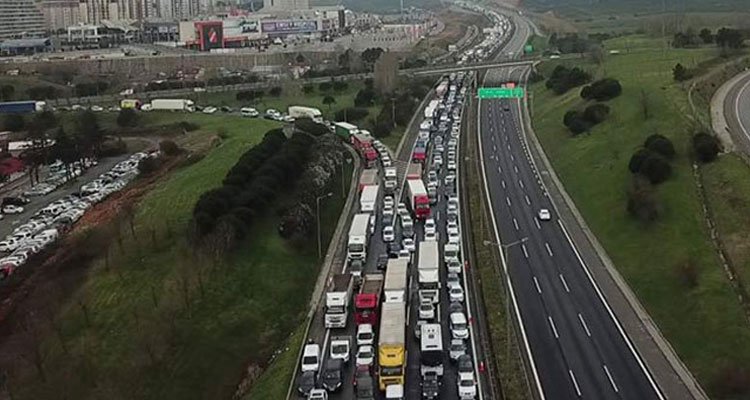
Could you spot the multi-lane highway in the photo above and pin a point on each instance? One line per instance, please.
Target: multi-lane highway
(735, 111)
(578, 348)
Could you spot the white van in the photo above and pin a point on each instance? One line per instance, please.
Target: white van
(249, 112)
(459, 327)
(311, 358)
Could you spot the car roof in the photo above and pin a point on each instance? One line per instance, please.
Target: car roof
(312, 349)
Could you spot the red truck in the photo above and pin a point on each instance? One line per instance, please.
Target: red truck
(419, 201)
(363, 144)
(419, 155)
(367, 301)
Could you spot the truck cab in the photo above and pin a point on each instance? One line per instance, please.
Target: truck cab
(337, 300)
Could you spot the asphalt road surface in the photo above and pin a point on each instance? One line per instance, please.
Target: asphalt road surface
(578, 348)
(737, 112)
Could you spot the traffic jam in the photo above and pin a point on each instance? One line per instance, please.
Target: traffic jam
(396, 318)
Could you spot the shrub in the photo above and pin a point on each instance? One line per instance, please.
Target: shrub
(307, 89)
(656, 168)
(602, 90)
(188, 126)
(14, 122)
(680, 73)
(564, 79)
(637, 160)
(275, 91)
(149, 165)
(325, 86)
(340, 86)
(127, 118)
(706, 147)
(351, 114)
(575, 122)
(596, 113)
(169, 148)
(310, 126)
(641, 202)
(364, 98)
(660, 144)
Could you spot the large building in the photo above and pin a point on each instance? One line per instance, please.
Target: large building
(20, 18)
(285, 5)
(60, 14)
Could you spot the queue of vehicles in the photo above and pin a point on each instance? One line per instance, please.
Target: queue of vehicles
(46, 225)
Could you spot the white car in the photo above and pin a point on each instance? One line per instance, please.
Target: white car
(388, 234)
(431, 236)
(456, 294)
(467, 387)
(402, 210)
(452, 280)
(11, 209)
(365, 335)
(409, 244)
(318, 394)
(209, 110)
(365, 355)
(451, 165)
(429, 226)
(454, 238)
(452, 227)
(8, 245)
(388, 202)
(311, 358)
(459, 326)
(544, 215)
(454, 266)
(249, 112)
(97, 108)
(426, 310)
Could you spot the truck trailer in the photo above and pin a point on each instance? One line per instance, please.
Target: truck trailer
(345, 130)
(356, 246)
(428, 271)
(414, 171)
(392, 344)
(369, 177)
(363, 144)
(306, 112)
(173, 105)
(396, 279)
(22, 107)
(367, 301)
(337, 300)
(369, 198)
(419, 201)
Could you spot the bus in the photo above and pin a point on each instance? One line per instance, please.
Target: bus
(431, 349)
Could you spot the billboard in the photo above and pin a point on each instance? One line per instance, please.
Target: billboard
(286, 27)
(210, 34)
(235, 27)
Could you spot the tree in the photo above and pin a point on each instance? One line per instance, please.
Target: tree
(706, 35)
(596, 113)
(729, 38)
(45, 120)
(369, 56)
(325, 86)
(329, 101)
(656, 168)
(660, 144)
(602, 90)
(14, 122)
(680, 73)
(706, 147)
(169, 148)
(275, 91)
(90, 133)
(300, 59)
(128, 118)
(364, 98)
(65, 149)
(563, 79)
(576, 122)
(637, 160)
(641, 201)
(307, 89)
(340, 86)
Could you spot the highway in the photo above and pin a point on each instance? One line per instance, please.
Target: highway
(577, 347)
(736, 109)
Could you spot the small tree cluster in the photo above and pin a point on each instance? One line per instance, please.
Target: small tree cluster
(91, 88)
(364, 98)
(578, 122)
(127, 118)
(311, 127)
(275, 91)
(169, 148)
(249, 95)
(706, 147)
(351, 114)
(680, 73)
(40, 92)
(729, 38)
(652, 161)
(642, 203)
(564, 79)
(570, 43)
(602, 90)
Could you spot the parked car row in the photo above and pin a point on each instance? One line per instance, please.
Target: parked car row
(45, 226)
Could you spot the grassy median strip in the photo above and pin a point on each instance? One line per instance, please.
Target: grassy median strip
(153, 320)
(702, 320)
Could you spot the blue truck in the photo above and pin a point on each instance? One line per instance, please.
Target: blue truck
(21, 107)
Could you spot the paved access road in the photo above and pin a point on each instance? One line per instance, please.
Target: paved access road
(737, 112)
(578, 348)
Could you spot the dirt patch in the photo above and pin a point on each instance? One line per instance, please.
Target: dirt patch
(550, 22)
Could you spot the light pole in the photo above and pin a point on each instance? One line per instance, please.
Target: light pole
(504, 250)
(347, 160)
(317, 217)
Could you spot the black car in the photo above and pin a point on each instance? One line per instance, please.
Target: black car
(430, 386)
(393, 249)
(465, 364)
(382, 262)
(15, 201)
(306, 382)
(365, 388)
(333, 375)
(226, 109)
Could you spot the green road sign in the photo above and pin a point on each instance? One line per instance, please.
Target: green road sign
(528, 49)
(501, 93)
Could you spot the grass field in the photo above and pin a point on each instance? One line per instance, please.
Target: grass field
(163, 323)
(704, 323)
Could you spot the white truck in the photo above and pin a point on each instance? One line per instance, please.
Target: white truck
(369, 198)
(396, 280)
(306, 112)
(356, 246)
(428, 271)
(173, 105)
(337, 300)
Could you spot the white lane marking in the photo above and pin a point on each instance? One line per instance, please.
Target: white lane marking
(575, 383)
(512, 158)
(515, 168)
(737, 108)
(503, 183)
(509, 147)
(611, 380)
(515, 222)
(549, 250)
(536, 221)
(494, 148)
(507, 200)
(538, 288)
(565, 284)
(528, 201)
(437, 216)
(520, 182)
(492, 137)
(585, 327)
(611, 313)
(499, 170)
(525, 252)
(552, 325)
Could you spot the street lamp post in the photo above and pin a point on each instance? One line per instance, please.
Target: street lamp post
(504, 250)
(347, 160)
(317, 218)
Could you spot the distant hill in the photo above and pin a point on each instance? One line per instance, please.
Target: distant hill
(378, 6)
(638, 6)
